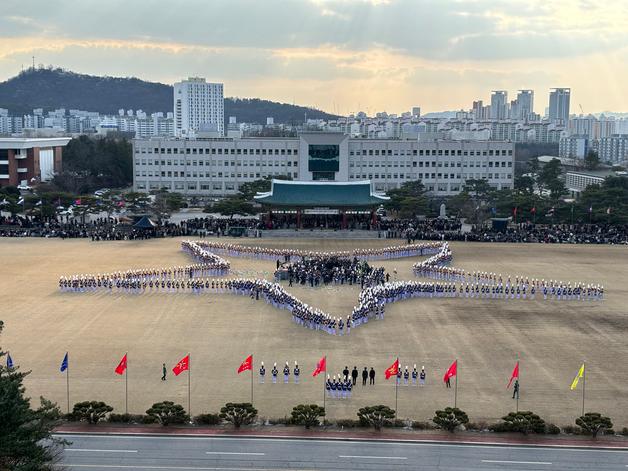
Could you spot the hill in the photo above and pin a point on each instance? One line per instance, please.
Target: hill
(56, 88)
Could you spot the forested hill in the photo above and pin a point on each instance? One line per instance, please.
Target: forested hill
(56, 88)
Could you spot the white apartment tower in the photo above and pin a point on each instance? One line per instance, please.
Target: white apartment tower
(198, 106)
(559, 105)
(523, 105)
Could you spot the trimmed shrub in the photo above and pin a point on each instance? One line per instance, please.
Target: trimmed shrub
(624, 431)
(523, 422)
(207, 419)
(552, 429)
(167, 412)
(126, 418)
(242, 413)
(376, 416)
(307, 414)
(593, 423)
(450, 418)
(91, 412)
(572, 429)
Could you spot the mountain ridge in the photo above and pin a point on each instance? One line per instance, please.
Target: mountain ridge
(52, 88)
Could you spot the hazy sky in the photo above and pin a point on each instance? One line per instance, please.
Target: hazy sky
(341, 55)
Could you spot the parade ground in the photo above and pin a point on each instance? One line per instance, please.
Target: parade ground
(550, 338)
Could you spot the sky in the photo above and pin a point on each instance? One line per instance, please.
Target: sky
(341, 56)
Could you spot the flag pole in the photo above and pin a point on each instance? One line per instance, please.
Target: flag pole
(396, 387)
(324, 375)
(456, 386)
(519, 382)
(67, 380)
(189, 385)
(126, 384)
(584, 383)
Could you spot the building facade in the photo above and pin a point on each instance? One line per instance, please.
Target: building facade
(198, 106)
(26, 161)
(217, 167)
(614, 148)
(559, 105)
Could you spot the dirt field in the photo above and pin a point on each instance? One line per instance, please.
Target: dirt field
(550, 338)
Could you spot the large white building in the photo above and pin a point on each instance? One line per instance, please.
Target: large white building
(499, 104)
(217, 167)
(198, 107)
(614, 148)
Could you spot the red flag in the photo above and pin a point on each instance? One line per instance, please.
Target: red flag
(514, 375)
(514, 211)
(321, 367)
(533, 210)
(451, 371)
(121, 368)
(182, 366)
(392, 370)
(246, 364)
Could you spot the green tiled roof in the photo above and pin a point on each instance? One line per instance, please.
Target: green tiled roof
(325, 194)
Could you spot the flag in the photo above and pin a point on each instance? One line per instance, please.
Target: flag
(182, 366)
(580, 374)
(590, 209)
(64, 363)
(321, 367)
(38, 203)
(20, 201)
(451, 371)
(514, 211)
(514, 375)
(77, 202)
(608, 210)
(246, 364)
(9, 361)
(533, 210)
(120, 369)
(392, 369)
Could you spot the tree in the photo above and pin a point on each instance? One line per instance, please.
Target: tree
(166, 202)
(307, 415)
(549, 178)
(26, 441)
(231, 206)
(238, 413)
(594, 423)
(523, 422)
(167, 412)
(591, 160)
(249, 189)
(376, 416)
(408, 200)
(91, 412)
(450, 418)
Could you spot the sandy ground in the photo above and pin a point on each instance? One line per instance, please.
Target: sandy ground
(550, 338)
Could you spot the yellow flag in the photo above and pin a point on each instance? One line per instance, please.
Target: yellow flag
(574, 384)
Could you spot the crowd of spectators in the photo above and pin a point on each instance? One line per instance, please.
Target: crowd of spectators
(103, 229)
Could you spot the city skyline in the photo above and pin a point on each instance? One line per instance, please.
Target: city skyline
(341, 57)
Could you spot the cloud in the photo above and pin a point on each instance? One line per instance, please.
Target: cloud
(340, 53)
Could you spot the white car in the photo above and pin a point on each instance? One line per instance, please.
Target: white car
(24, 187)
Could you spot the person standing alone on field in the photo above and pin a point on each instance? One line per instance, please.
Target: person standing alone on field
(163, 372)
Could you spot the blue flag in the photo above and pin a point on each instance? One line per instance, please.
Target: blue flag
(64, 363)
(9, 361)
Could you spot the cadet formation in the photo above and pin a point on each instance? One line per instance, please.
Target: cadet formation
(314, 268)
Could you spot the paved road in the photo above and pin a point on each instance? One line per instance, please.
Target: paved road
(110, 453)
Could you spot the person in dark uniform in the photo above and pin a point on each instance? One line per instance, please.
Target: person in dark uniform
(415, 374)
(372, 376)
(328, 386)
(345, 373)
(274, 372)
(515, 389)
(354, 375)
(163, 372)
(296, 372)
(365, 376)
(262, 373)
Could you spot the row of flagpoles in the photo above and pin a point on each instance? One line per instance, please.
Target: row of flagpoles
(321, 367)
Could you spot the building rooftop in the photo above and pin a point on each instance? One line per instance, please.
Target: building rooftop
(321, 194)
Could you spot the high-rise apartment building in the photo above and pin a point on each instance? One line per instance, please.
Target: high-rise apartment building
(198, 106)
(499, 104)
(523, 106)
(559, 105)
